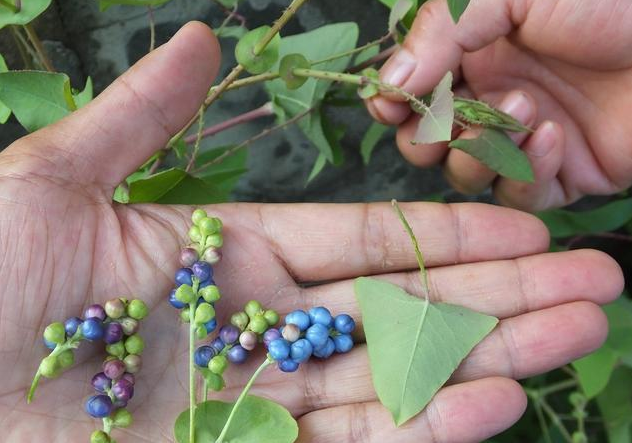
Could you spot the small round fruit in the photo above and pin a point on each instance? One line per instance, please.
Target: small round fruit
(210, 326)
(298, 318)
(49, 367)
(237, 355)
(248, 340)
(100, 437)
(301, 350)
(229, 334)
(99, 406)
(174, 301)
(71, 325)
(279, 349)
(344, 324)
(218, 364)
(101, 382)
(325, 351)
(95, 311)
(291, 332)
(188, 256)
(115, 308)
(185, 294)
(133, 363)
(258, 324)
(203, 356)
(134, 344)
(202, 270)
(114, 369)
(271, 316)
(317, 334)
(252, 308)
(129, 377)
(321, 315)
(116, 349)
(113, 333)
(212, 255)
(240, 320)
(204, 313)
(130, 326)
(343, 342)
(122, 418)
(184, 277)
(214, 241)
(66, 359)
(288, 365)
(217, 344)
(137, 309)
(122, 390)
(55, 333)
(50, 344)
(207, 226)
(210, 293)
(194, 234)
(92, 329)
(270, 335)
(198, 215)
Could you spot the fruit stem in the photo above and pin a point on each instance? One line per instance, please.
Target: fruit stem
(268, 361)
(192, 387)
(107, 425)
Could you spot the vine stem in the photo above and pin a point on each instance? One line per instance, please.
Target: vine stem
(152, 28)
(373, 60)
(39, 49)
(555, 420)
(377, 42)
(198, 139)
(241, 398)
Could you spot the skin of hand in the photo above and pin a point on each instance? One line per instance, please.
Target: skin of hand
(564, 68)
(66, 245)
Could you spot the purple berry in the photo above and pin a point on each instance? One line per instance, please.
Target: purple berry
(119, 403)
(101, 382)
(183, 277)
(99, 406)
(203, 355)
(237, 355)
(217, 344)
(113, 333)
(288, 365)
(188, 256)
(114, 369)
(229, 334)
(202, 270)
(95, 311)
(174, 301)
(92, 329)
(270, 335)
(123, 389)
(344, 324)
(129, 377)
(71, 325)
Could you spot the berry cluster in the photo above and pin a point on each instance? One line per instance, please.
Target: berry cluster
(305, 334)
(235, 341)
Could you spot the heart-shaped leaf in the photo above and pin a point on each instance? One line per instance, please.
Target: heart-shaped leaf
(436, 124)
(30, 9)
(245, 51)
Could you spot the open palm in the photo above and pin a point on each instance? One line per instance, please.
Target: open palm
(65, 245)
(562, 67)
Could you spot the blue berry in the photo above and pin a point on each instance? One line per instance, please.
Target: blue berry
(301, 350)
(113, 333)
(183, 277)
(344, 324)
(343, 343)
(50, 344)
(270, 335)
(237, 355)
(321, 316)
(317, 334)
(203, 355)
(326, 350)
(174, 301)
(298, 318)
(288, 365)
(217, 344)
(71, 325)
(92, 329)
(202, 270)
(101, 382)
(279, 349)
(206, 283)
(99, 406)
(229, 334)
(95, 311)
(210, 326)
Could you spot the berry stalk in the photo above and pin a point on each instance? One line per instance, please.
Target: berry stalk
(192, 384)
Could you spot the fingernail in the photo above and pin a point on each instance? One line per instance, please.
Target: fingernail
(399, 68)
(543, 140)
(519, 107)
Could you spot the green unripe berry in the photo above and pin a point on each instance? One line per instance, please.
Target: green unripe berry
(137, 309)
(577, 399)
(200, 332)
(198, 216)
(129, 325)
(214, 241)
(218, 223)
(56, 333)
(252, 308)
(218, 364)
(212, 255)
(195, 235)
(207, 226)
(122, 418)
(186, 294)
(116, 349)
(579, 437)
(271, 316)
(66, 359)
(210, 293)
(133, 363)
(185, 315)
(240, 320)
(204, 313)
(258, 324)
(49, 367)
(100, 437)
(115, 308)
(134, 344)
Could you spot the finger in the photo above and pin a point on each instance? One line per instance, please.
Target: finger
(317, 242)
(545, 149)
(136, 115)
(435, 45)
(467, 174)
(456, 414)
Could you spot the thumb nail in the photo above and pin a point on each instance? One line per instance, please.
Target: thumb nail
(399, 68)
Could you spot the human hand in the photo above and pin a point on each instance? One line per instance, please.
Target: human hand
(66, 245)
(563, 68)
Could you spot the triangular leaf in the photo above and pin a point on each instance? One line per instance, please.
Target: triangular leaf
(84, 97)
(499, 152)
(319, 164)
(370, 140)
(457, 8)
(5, 111)
(436, 124)
(257, 421)
(30, 9)
(174, 186)
(428, 349)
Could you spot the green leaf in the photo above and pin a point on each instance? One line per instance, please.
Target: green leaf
(457, 8)
(245, 51)
(36, 98)
(214, 381)
(231, 32)
(332, 39)
(84, 97)
(223, 176)
(427, 349)
(174, 186)
(30, 10)
(5, 111)
(564, 223)
(319, 164)
(615, 404)
(367, 54)
(410, 17)
(480, 113)
(105, 4)
(286, 70)
(398, 12)
(371, 139)
(499, 152)
(370, 89)
(257, 421)
(436, 124)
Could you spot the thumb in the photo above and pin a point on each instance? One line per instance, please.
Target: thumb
(435, 45)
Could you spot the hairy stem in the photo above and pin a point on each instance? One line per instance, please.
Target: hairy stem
(241, 398)
(39, 48)
(377, 42)
(198, 139)
(278, 25)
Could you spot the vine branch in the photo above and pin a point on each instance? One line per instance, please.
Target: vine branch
(39, 48)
